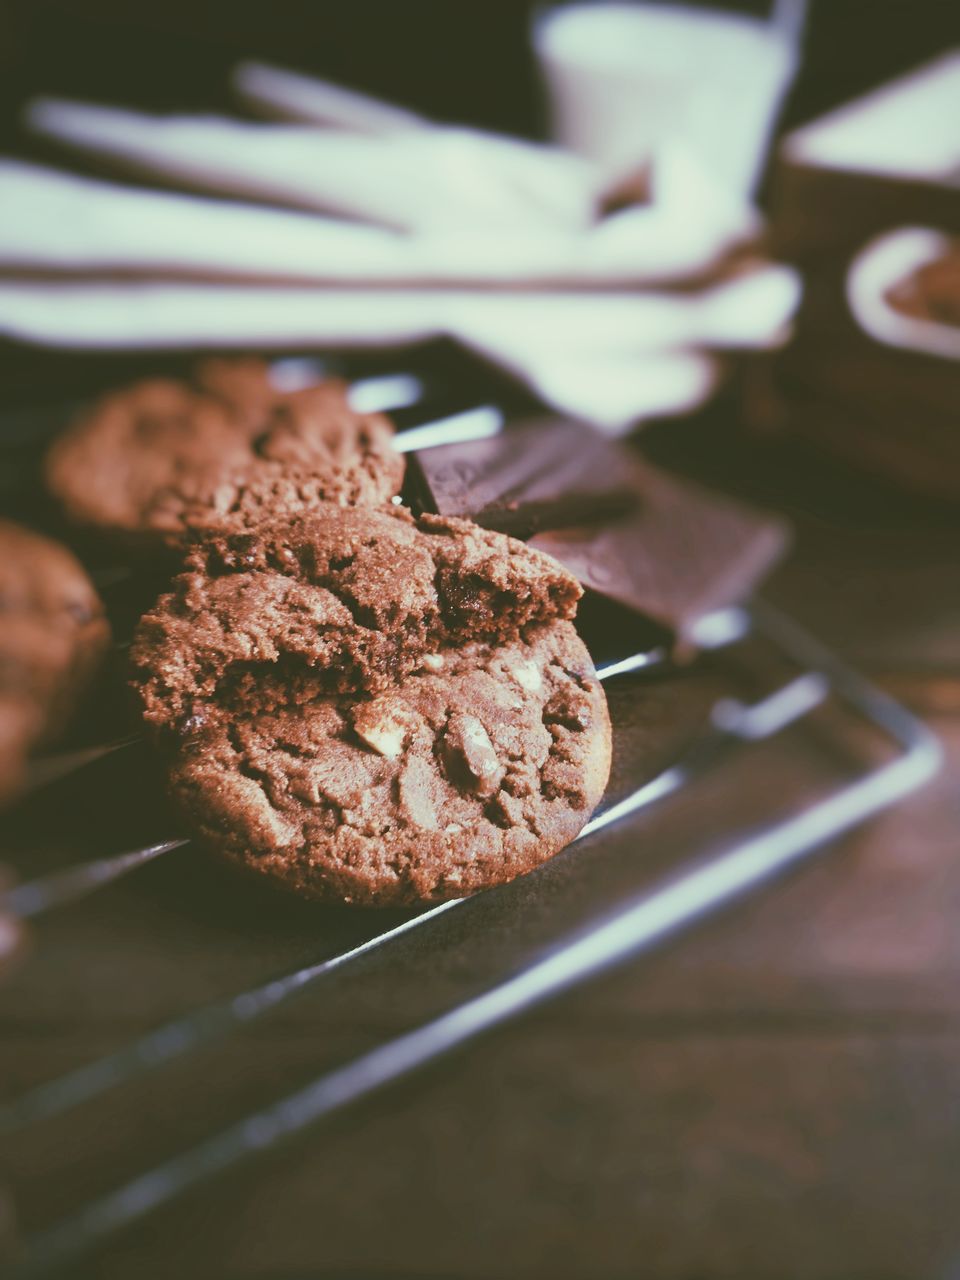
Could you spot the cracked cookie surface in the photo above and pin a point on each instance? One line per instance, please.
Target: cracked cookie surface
(163, 460)
(339, 601)
(479, 766)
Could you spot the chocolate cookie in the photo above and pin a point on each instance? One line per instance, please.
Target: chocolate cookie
(52, 635)
(341, 600)
(162, 460)
(476, 768)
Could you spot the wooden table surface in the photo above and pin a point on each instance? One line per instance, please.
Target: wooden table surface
(775, 1095)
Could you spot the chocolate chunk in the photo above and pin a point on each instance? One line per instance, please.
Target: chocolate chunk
(529, 480)
(678, 554)
(527, 519)
(470, 756)
(385, 724)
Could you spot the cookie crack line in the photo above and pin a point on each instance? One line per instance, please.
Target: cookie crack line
(404, 586)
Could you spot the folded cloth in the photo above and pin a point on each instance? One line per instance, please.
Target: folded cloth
(614, 366)
(614, 392)
(496, 242)
(289, 95)
(542, 337)
(137, 315)
(412, 180)
(55, 221)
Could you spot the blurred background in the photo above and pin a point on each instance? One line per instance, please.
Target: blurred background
(712, 98)
(470, 63)
(740, 261)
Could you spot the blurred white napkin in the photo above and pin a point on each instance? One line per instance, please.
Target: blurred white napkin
(545, 338)
(735, 314)
(64, 222)
(490, 240)
(289, 95)
(412, 180)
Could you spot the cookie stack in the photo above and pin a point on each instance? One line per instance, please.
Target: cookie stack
(351, 702)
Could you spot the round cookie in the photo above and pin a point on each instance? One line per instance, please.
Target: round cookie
(52, 636)
(343, 599)
(160, 461)
(475, 769)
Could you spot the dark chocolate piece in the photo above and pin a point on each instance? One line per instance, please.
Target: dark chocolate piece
(545, 464)
(680, 553)
(526, 519)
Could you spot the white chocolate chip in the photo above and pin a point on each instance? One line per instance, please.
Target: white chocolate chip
(433, 661)
(470, 755)
(386, 739)
(383, 726)
(474, 730)
(527, 676)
